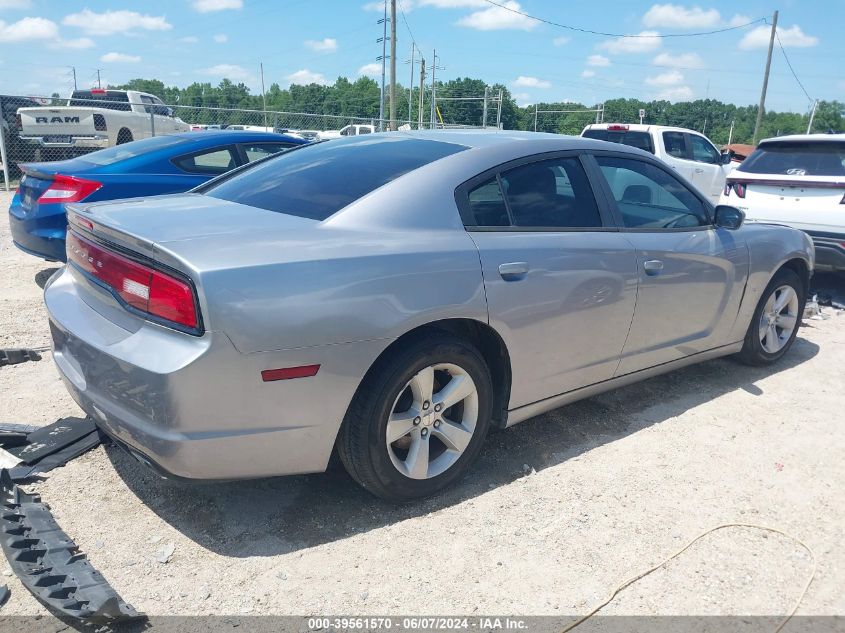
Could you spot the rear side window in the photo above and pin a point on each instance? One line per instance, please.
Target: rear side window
(675, 144)
(547, 194)
(212, 162)
(315, 181)
(108, 99)
(131, 150)
(254, 151)
(640, 140)
(825, 158)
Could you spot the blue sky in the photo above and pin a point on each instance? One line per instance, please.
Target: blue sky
(181, 41)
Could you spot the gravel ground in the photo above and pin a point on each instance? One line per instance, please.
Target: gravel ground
(558, 510)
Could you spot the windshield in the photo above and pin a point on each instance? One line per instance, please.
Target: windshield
(820, 158)
(130, 150)
(641, 140)
(316, 181)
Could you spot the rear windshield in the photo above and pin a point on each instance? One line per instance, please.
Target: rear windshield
(641, 140)
(316, 181)
(130, 150)
(821, 158)
(110, 100)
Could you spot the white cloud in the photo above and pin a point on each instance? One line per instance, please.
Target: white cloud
(452, 4)
(190, 39)
(791, 37)
(645, 42)
(110, 22)
(739, 20)
(680, 93)
(684, 60)
(522, 99)
(530, 82)
(370, 70)
(326, 45)
(304, 77)
(120, 58)
(229, 71)
(221, 38)
(560, 41)
(497, 18)
(587, 73)
(674, 16)
(15, 4)
(209, 6)
(28, 29)
(669, 78)
(78, 43)
(598, 60)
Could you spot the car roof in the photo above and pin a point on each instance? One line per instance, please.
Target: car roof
(803, 138)
(639, 127)
(237, 136)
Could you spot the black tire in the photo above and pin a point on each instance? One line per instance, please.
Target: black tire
(124, 136)
(752, 352)
(362, 443)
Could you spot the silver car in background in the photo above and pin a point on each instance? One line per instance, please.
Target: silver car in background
(394, 295)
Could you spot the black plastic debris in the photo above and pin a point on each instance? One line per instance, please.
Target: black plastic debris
(43, 449)
(12, 434)
(4, 595)
(49, 563)
(17, 355)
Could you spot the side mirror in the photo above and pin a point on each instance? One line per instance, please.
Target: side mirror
(728, 217)
(726, 157)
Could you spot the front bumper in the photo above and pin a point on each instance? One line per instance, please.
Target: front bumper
(195, 407)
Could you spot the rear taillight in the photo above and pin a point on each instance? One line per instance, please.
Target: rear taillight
(139, 286)
(69, 189)
(618, 127)
(100, 123)
(738, 187)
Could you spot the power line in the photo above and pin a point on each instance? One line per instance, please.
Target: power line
(591, 32)
(791, 69)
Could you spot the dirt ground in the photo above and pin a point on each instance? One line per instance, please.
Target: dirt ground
(558, 510)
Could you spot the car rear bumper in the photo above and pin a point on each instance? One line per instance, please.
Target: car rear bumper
(94, 141)
(41, 234)
(194, 407)
(830, 250)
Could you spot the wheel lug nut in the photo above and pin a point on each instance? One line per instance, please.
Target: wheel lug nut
(424, 432)
(417, 420)
(436, 424)
(426, 404)
(437, 407)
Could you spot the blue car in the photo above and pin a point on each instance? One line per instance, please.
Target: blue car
(149, 167)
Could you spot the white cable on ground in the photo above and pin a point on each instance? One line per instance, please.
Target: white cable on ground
(765, 528)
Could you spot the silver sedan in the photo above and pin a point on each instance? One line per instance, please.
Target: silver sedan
(392, 296)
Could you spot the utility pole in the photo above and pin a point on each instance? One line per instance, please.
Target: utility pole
(383, 60)
(484, 112)
(433, 92)
(411, 84)
(536, 108)
(263, 96)
(98, 78)
(393, 65)
(422, 93)
(499, 113)
(731, 133)
(73, 68)
(812, 116)
(765, 79)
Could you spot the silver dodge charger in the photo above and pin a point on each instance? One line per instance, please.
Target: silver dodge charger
(393, 296)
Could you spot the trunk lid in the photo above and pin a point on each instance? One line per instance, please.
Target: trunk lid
(57, 122)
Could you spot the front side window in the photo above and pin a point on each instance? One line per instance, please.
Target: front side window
(213, 162)
(703, 151)
(675, 144)
(649, 197)
(255, 151)
(363, 130)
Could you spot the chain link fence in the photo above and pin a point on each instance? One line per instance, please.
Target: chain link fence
(66, 128)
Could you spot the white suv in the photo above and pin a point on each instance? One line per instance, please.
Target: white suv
(798, 181)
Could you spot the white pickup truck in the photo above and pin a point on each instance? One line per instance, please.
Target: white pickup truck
(98, 118)
(686, 151)
(349, 130)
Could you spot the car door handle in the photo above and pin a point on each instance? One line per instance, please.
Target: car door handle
(513, 271)
(699, 170)
(652, 266)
